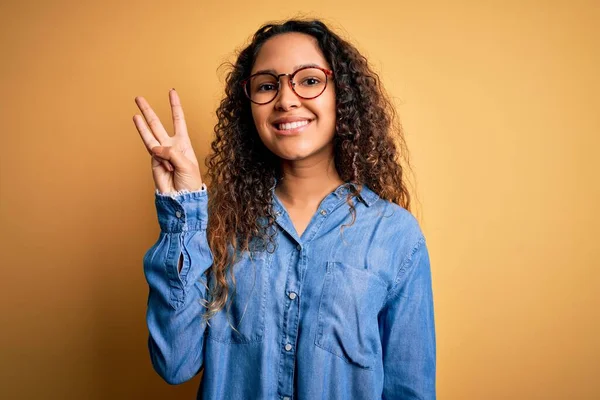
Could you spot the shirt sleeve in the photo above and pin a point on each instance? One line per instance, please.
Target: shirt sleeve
(408, 331)
(175, 299)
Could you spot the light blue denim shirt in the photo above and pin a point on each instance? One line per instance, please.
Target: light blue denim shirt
(326, 316)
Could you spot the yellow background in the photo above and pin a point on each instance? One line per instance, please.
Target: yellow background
(500, 103)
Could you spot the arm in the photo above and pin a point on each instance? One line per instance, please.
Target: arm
(408, 332)
(174, 313)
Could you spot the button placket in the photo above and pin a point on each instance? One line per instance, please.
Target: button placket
(290, 326)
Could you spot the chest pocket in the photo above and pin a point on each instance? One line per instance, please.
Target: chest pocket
(347, 323)
(246, 311)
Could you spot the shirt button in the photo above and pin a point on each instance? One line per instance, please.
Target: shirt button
(298, 247)
(288, 347)
(292, 295)
(178, 214)
(323, 212)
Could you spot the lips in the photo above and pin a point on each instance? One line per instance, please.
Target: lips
(288, 128)
(291, 123)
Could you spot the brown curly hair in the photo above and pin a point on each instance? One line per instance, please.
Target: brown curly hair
(368, 147)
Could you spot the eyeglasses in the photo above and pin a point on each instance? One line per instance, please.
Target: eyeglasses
(307, 83)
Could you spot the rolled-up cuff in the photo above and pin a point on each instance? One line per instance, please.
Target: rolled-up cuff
(183, 210)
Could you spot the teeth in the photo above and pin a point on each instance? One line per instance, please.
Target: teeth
(292, 125)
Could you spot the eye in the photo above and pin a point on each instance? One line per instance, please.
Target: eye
(265, 87)
(310, 81)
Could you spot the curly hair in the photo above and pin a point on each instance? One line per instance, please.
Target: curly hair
(369, 146)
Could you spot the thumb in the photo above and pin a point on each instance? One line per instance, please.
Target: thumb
(169, 153)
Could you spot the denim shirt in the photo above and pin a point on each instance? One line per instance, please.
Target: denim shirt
(328, 315)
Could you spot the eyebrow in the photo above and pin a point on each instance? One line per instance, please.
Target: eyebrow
(296, 68)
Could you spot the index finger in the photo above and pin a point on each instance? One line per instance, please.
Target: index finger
(178, 118)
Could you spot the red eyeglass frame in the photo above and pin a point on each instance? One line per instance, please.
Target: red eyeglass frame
(328, 74)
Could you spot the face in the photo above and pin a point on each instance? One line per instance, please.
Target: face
(284, 54)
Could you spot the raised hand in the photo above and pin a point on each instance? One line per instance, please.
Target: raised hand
(174, 163)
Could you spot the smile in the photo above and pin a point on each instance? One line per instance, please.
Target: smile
(292, 127)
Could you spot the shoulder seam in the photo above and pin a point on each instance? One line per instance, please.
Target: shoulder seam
(404, 266)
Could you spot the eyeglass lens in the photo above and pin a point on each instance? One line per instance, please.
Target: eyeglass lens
(307, 83)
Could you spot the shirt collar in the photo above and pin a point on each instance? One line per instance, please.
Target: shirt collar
(367, 195)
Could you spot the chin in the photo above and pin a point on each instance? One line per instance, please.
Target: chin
(293, 149)
(291, 157)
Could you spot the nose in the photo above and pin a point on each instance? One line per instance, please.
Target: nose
(286, 98)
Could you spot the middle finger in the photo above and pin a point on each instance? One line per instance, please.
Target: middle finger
(145, 133)
(152, 119)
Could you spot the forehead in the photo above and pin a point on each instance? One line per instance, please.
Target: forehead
(285, 52)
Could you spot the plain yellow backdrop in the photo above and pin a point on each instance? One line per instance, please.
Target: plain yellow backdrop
(500, 104)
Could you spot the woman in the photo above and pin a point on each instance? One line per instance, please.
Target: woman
(298, 273)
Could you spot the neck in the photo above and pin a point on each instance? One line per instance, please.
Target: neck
(305, 183)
